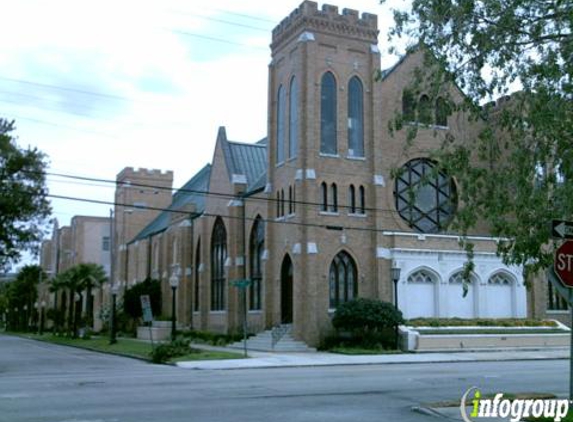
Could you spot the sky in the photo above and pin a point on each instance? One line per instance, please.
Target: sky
(99, 86)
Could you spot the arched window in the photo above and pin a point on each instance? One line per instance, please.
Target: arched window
(408, 110)
(218, 258)
(362, 200)
(343, 279)
(334, 198)
(280, 156)
(328, 119)
(324, 196)
(500, 279)
(256, 250)
(421, 276)
(355, 118)
(442, 112)
(197, 275)
(352, 197)
(425, 110)
(293, 119)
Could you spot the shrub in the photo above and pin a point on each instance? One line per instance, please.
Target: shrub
(132, 301)
(368, 320)
(165, 351)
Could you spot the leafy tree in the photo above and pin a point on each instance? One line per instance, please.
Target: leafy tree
(516, 173)
(24, 207)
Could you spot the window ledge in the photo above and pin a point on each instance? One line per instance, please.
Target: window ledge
(357, 214)
(427, 126)
(331, 213)
(277, 165)
(255, 312)
(223, 312)
(324, 154)
(280, 218)
(355, 158)
(292, 215)
(291, 159)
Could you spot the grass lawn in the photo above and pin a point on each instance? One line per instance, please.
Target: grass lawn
(362, 351)
(129, 347)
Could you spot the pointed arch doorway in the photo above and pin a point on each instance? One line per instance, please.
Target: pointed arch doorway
(286, 291)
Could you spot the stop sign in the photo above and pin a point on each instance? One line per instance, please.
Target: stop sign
(564, 263)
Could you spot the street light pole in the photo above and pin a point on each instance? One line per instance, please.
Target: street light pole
(42, 316)
(113, 319)
(395, 273)
(174, 283)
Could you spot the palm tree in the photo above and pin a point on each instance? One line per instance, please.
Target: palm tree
(89, 276)
(61, 283)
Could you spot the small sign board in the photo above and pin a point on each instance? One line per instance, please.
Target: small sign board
(562, 229)
(146, 308)
(242, 283)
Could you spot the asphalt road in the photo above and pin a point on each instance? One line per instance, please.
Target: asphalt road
(40, 382)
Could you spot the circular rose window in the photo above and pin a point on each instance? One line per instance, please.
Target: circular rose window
(426, 199)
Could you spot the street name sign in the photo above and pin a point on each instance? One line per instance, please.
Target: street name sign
(562, 229)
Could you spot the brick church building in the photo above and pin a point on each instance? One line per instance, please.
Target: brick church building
(311, 213)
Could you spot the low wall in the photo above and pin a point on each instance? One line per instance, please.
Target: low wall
(414, 340)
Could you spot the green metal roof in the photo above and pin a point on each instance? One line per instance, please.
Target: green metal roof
(192, 192)
(249, 160)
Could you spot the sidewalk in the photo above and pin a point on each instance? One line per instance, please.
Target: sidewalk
(284, 360)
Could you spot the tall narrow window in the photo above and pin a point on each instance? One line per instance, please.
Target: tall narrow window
(442, 112)
(197, 276)
(328, 117)
(293, 119)
(282, 202)
(352, 198)
(362, 200)
(324, 196)
(278, 204)
(425, 110)
(334, 198)
(218, 258)
(408, 110)
(290, 209)
(280, 156)
(294, 198)
(355, 118)
(256, 250)
(342, 279)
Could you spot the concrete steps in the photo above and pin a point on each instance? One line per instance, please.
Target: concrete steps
(284, 342)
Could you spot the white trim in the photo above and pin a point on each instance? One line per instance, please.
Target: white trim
(296, 249)
(239, 179)
(298, 174)
(330, 213)
(310, 174)
(306, 36)
(311, 248)
(355, 158)
(326, 155)
(379, 180)
(442, 236)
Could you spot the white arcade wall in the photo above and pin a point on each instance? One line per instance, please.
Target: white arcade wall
(430, 285)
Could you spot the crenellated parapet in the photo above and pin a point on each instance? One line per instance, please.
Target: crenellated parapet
(327, 20)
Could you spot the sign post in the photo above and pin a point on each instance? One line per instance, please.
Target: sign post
(242, 285)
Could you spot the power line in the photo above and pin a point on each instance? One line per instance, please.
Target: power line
(209, 38)
(207, 193)
(231, 217)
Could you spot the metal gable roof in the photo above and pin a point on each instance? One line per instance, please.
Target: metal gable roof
(249, 160)
(192, 192)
